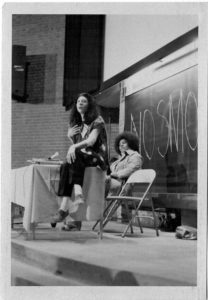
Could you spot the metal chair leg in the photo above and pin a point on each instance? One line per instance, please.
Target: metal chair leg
(138, 219)
(154, 217)
(128, 216)
(112, 210)
(127, 227)
(140, 226)
(101, 229)
(106, 209)
(93, 228)
(130, 223)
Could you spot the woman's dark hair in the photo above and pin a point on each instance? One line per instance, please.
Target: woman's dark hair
(90, 115)
(131, 138)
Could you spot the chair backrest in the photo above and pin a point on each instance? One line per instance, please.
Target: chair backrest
(142, 176)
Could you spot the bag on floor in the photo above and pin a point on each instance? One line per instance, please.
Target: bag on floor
(186, 233)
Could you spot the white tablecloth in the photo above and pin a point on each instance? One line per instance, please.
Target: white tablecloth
(34, 187)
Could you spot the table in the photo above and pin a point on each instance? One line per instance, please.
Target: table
(34, 187)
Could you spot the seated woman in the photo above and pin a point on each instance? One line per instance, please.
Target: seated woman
(88, 148)
(127, 146)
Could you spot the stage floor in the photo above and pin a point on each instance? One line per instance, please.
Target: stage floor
(81, 259)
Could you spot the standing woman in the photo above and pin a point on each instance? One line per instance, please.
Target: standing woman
(89, 148)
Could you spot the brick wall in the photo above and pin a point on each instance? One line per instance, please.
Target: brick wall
(37, 131)
(44, 35)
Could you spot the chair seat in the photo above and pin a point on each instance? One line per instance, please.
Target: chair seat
(124, 198)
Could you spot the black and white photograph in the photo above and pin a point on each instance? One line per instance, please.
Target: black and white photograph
(104, 150)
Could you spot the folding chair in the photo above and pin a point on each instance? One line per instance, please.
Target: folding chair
(141, 178)
(111, 206)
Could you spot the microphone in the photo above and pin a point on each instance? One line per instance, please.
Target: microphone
(53, 156)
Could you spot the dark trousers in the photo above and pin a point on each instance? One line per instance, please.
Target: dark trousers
(73, 173)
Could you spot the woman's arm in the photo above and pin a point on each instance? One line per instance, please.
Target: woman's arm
(90, 141)
(134, 163)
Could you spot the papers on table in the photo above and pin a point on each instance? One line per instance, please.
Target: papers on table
(44, 161)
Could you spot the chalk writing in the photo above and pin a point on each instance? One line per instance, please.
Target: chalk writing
(174, 124)
(189, 97)
(149, 125)
(166, 125)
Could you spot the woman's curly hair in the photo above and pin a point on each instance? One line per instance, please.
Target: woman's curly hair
(91, 114)
(131, 138)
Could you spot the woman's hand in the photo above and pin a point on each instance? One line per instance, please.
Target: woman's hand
(107, 177)
(71, 154)
(114, 175)
(73, 131)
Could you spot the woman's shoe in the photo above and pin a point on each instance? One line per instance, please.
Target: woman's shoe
(59, 216)
(72, 226)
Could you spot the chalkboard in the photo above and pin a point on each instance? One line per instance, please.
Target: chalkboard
(164, 116)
